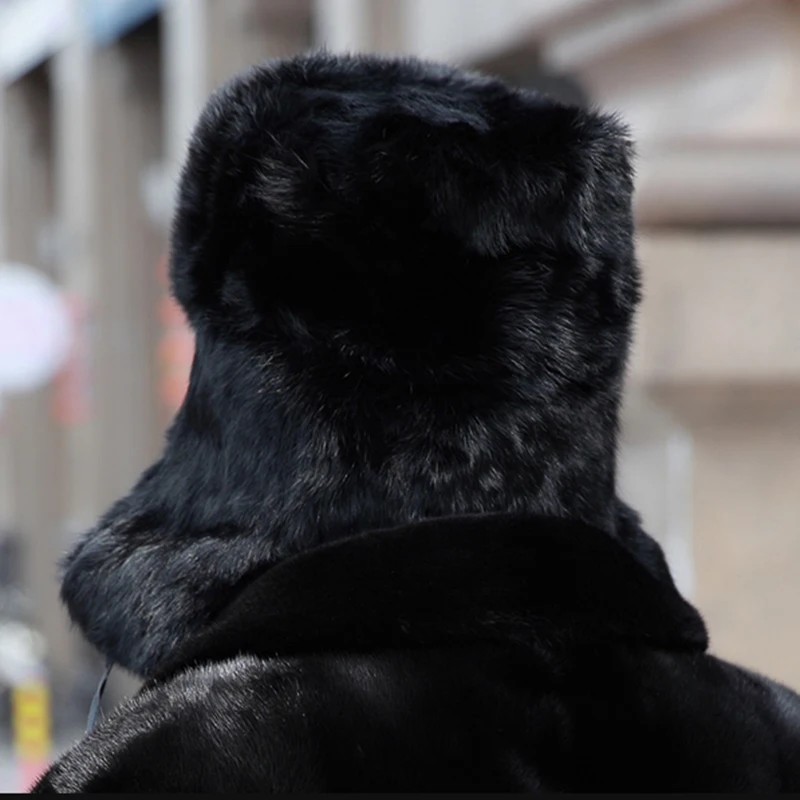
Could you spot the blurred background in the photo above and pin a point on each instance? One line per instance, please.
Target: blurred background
(96, 100)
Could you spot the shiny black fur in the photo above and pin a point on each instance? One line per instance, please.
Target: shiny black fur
(483, 653)
(412, 290)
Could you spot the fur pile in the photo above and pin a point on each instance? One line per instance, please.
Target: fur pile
(412, 291)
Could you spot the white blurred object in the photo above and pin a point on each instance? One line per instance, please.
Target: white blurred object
(22, 652)
(35, 328)
(30, 32)
(655, 477)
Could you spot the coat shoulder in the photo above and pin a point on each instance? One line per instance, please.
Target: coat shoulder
(302, 724)
(478, 718)
(399, 720)
(187, 733)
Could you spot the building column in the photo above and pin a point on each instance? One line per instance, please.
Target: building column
(33, 437)
(76, 209)
(128, 143)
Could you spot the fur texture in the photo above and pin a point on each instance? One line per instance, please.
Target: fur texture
(487, 653)
(412, 290)
(541, 582)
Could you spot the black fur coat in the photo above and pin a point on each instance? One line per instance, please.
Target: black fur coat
(382, 549)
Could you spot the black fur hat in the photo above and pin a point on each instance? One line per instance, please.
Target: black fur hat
(412, 290)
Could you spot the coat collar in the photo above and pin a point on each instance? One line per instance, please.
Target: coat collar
(534, 582)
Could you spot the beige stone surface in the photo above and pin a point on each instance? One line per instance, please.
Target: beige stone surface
(718, 346)
(719, 308)
(747, 536)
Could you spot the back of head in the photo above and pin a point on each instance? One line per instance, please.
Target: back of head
(412, 290)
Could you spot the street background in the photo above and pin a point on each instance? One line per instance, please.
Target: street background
(97, 98)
